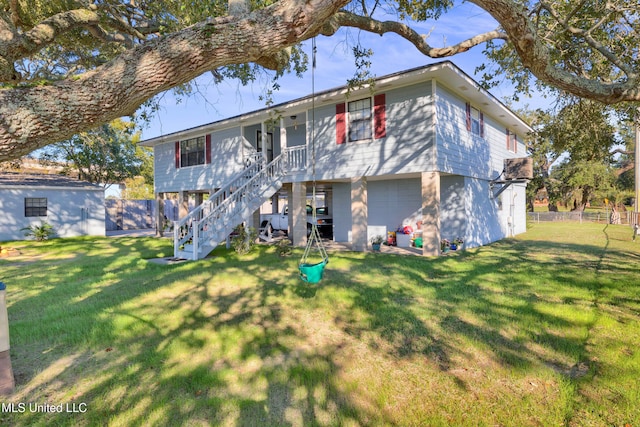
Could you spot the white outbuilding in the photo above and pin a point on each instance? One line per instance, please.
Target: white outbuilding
(72, 207)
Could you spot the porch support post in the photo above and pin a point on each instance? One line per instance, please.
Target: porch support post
(255, 219)
(275, 208)
(283, 135)
(431, 213)
(183, 204)
(263, 142)
(160, 214)
(275, 200)
(328, 203)
(298, 213)
(359, 214)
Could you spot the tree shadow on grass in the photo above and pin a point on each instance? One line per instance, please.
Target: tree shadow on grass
(188, 344)
(174, 343)
(509, 298)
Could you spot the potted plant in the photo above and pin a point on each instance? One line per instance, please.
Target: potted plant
(376, 241)
(445, 245)
(457, 244)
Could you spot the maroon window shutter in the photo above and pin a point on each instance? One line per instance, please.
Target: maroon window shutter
(207, 149)
(508, 139)
(379, 116)
(515, 143)
(177, 150)
(468, 106)
(341, 123)
(481, 125)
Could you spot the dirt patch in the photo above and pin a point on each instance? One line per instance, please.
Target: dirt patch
(8, 252)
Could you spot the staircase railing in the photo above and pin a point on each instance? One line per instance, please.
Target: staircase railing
(296, 158)
(224, 218)
(183, 228)
(219, 214)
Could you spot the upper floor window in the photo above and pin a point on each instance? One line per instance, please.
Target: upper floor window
(192, 152)
(512, 141)
(360, 119)
(475, 121)
(35, 206)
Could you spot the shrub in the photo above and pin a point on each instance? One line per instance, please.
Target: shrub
(244, 238)
(283, 247)
(39, 232)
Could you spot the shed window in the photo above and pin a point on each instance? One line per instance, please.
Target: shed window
(192, 152)
(35, 206)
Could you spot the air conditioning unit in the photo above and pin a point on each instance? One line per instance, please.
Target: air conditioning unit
(520, 168)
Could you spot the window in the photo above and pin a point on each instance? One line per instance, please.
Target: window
(360, 119)
(512, 141)
(192, 152)
(35, 206)
(475, 121)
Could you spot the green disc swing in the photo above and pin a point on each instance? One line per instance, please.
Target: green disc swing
(312, 267)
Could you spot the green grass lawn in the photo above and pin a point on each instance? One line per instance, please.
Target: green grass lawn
(541, 330)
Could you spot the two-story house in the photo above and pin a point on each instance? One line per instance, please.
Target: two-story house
(424, 148)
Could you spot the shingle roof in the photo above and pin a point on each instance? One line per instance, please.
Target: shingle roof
(9, 179)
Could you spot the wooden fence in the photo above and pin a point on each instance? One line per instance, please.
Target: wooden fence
(137, 214)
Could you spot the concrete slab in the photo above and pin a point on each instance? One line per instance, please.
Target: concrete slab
(132, 233)
(167, 260)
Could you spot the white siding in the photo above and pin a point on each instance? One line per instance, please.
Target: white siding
(453, 216)
(485, 215)
(407, 146)
(392, 203)
(395, 203)
(227, 153)
(466, 208)
(341, 211)
(462, 153)
(72, 212)
(251, 135)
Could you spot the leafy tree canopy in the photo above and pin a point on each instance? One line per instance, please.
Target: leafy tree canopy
(137, 189)
(107, 154)
(578, 150)
(69, 66)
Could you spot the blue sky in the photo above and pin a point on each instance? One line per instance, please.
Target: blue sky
(334, 67)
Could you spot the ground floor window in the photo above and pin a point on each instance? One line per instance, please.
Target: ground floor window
(35, 206)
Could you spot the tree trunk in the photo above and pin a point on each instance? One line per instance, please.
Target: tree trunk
(33, 117)
(581, 205)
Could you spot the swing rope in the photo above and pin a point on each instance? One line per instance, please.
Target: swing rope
(312, 272)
